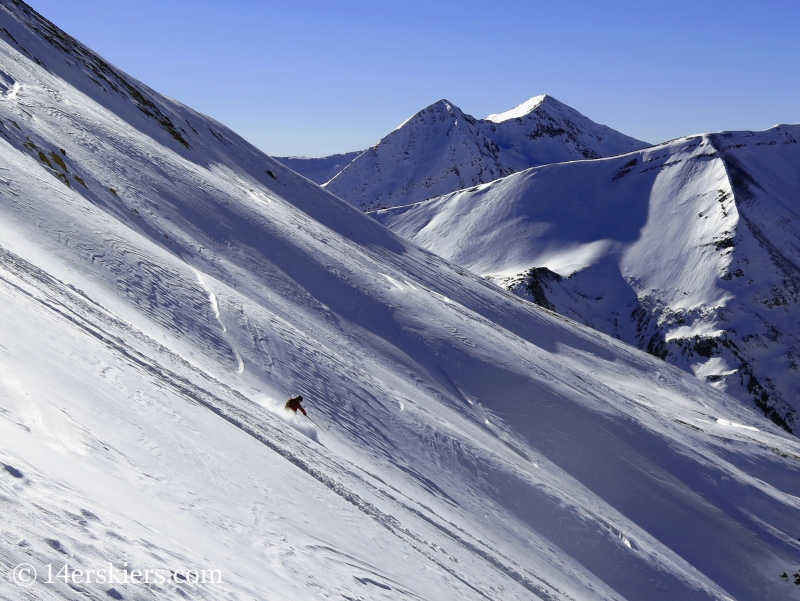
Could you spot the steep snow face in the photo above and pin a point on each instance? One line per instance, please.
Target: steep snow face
(687, 250)
(438, 150)
(319, 170)
(162, 298)
(442, 149)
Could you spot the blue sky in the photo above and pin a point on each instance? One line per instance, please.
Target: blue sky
(311, 77)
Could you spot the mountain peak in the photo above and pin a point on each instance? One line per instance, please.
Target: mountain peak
(441, 149)
(443, 103)
(521, 110)
(440, 107)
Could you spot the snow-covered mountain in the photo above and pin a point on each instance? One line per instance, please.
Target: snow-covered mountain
(689, 250)
(319, 170)
(442, 149)
(166, 286)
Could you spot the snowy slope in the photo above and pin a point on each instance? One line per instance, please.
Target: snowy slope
(688, 250)
(319, 170)
(442, 149)
(166, 287)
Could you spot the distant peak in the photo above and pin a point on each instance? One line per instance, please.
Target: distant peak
(523, 109)
(444, 105)
(440, 106)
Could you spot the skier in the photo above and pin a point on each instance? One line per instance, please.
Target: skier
(294, 405)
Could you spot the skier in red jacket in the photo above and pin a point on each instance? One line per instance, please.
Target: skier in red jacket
(294, 405)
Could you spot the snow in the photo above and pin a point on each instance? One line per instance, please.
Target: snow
(12, 93)
(212, 298)
(699, 328)
(441, 149)
(688, 249)
(518, 111)
(715, 366)
(728, 424)
(296, 420)
(470, 445)
(319, 170)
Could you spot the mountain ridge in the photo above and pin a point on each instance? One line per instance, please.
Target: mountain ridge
(161, 301)
(319, 170)
(440, 149)
(520, 111)
(688, 209)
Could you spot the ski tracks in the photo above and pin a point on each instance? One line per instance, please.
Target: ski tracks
(212, 299)
(256, 422)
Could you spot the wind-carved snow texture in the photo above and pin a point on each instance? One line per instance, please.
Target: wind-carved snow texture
(688, 250)
(441, 149)
(471, 445)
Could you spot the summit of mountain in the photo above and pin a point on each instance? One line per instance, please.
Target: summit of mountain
(522, 110)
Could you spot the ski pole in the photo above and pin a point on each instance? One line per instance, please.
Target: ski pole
(315, 423)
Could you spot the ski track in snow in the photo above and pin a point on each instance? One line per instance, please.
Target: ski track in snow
(275, 441)
(240, 361)
(474, 447)
(212, 298)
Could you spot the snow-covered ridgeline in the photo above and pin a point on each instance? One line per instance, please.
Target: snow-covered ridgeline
(161, 300)
(441, 149)
(319, 170)
(687, 250)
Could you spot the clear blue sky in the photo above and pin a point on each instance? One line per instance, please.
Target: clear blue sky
(312, 77)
